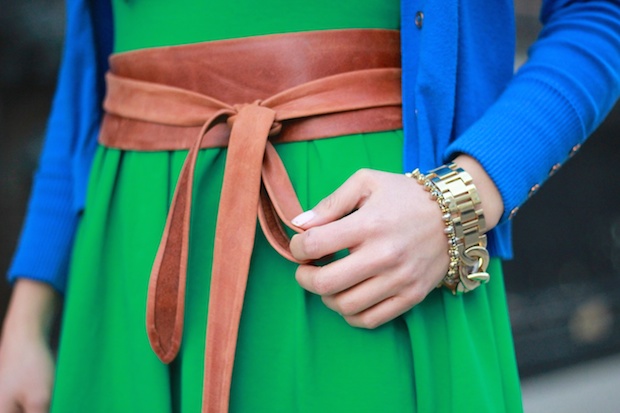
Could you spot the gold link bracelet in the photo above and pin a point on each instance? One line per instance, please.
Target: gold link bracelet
(453, 190)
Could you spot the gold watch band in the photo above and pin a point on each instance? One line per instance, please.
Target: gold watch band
(454, 191)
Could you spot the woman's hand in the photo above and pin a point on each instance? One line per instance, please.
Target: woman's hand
(395, 236)
(26, 362)
(26, 375)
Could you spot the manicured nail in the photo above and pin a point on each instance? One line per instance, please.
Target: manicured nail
(303, 218)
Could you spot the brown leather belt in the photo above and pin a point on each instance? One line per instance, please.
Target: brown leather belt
(245, 94)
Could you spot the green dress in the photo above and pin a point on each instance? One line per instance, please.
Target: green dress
(448, 354)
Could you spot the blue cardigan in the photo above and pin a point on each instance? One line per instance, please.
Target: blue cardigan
(459, 92)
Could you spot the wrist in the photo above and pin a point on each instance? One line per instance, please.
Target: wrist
(32, 310)
(490, 197)
(456, 195)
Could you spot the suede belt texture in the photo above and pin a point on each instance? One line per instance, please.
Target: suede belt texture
(244, 94)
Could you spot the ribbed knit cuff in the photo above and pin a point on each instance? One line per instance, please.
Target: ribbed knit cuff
(47, 236)
(522, 139)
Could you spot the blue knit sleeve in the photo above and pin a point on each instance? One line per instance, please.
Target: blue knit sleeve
(47, 235)
(564, 91)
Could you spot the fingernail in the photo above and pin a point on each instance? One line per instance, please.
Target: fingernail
(303, 218)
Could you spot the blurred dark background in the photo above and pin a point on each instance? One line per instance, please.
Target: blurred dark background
(563, 286)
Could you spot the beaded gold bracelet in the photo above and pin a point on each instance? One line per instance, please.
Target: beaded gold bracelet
(453, 190)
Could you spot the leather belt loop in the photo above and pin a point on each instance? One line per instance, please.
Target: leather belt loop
(166, 293)
(357, 95)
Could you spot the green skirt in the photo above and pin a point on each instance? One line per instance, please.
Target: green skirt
(448, 354)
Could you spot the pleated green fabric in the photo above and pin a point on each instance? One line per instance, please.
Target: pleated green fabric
(294, 355)
(449, 354)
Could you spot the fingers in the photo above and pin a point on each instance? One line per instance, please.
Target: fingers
(375, 302)
(334, 277)
(318, 242)
(362, 296)
(380, 314)
(365, 300)
(377, 299)
(348, 197)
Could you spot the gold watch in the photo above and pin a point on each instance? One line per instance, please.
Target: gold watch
(454, 191)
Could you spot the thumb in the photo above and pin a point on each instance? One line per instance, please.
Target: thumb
(348, 197)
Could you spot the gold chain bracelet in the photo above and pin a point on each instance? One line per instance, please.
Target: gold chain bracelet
(453, 190)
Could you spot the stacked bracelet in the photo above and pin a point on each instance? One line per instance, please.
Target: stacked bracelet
(453, 190)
